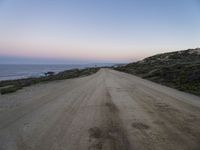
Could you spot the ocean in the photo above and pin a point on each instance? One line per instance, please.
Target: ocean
(17, 71)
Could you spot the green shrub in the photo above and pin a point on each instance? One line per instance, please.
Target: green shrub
(10, 89)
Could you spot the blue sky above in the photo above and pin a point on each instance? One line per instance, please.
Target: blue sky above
(95, 30)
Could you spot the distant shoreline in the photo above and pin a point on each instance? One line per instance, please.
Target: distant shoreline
(22, 71)
(10, 86)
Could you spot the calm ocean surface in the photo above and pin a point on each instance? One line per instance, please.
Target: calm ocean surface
(8, 72)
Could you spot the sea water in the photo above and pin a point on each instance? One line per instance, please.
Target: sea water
(17, 71)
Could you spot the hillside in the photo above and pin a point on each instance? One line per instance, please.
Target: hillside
(180, 69)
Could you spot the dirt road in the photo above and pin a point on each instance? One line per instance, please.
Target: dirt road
(109, 110)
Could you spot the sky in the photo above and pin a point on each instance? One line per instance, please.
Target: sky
(88, 31)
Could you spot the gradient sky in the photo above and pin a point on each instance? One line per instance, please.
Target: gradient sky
(78, 31)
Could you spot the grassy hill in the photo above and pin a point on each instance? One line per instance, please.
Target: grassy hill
(180, 69)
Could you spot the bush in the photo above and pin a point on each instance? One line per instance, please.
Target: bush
(10, 89)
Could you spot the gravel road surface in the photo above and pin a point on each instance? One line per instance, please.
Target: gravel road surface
(108, 110)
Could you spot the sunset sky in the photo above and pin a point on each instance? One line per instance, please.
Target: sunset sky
(85, 31)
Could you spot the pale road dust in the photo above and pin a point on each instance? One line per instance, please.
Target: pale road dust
(108, 110)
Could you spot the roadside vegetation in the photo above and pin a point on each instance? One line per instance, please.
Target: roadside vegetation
(180, 69)
(10, 86)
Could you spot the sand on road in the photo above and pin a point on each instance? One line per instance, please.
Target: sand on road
(108, 110)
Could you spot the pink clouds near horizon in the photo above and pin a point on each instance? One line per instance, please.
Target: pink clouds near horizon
(117, 31)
